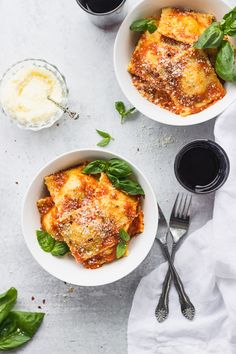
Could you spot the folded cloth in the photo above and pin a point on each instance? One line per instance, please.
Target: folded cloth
(206, 262)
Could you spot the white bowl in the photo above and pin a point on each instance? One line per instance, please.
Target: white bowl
(66, 268)
(125, 43)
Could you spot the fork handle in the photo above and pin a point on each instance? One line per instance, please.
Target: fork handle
(187, 307)
(162, 309)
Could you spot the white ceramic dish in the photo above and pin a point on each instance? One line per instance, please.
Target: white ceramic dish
(66, 268)
(125, 43)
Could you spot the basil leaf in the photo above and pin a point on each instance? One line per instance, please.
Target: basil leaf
(228, 24)
(120, 107)
(124, 235)
(131, 110)
(18, 328)
(128, 112)
(130, 187)
(45, 240)
(144, 24)
(60, 249)
(119, 168)
(126, 185)
(151, 27)
(224, 65)
(7, 301)
(212, 37)
(104, 142)
(95, 167)
(121, 249)
(114, 180)
(107, 138)
(103, 134)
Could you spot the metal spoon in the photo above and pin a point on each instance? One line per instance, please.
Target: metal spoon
(73, 115)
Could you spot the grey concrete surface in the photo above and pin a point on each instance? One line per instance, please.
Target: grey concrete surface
(78, 320)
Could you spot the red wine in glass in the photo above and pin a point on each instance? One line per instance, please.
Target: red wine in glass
(101, 6)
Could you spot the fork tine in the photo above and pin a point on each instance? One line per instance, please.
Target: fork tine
(187, 214)
(182, 214)
(175, 209)
(180, 208)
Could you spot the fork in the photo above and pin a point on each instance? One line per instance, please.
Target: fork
(187, 307)
(179, 225)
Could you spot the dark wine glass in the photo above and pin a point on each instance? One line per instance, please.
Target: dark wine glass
(104, 13)
(202, 166)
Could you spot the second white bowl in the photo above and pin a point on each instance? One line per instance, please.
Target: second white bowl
(126, 42)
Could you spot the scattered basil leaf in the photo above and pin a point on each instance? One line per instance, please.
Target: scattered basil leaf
(103, 134)
(121, 109)
(104, 142)
(131, 110)
(124, 235)
(121, 249)
(60, 249)
(144, 24)
(129, 186)
(228, 24)
(45, 240)
(224, 65)
(119, 168)
(18, 328)
(95, 167)
(106, 138)
(212, 37)
(7, 301)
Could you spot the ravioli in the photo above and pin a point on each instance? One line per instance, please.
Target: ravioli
(94, 227)
(182, 25)
(170, 73)
(87, 213)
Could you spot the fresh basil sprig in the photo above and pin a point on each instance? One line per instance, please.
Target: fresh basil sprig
(106, 138)
(214, 37)
(228, 24)
(123, 112)
(7, 301)
(211, 38)
(144, 24)
(49, 244)
(118, 172)
(16, 327)
(224, 65)
(123, 243)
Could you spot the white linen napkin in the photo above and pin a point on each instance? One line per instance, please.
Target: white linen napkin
(206, 262)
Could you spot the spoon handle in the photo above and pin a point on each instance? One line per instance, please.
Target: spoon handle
(162, 309)
(66, 110)
(187, 307)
